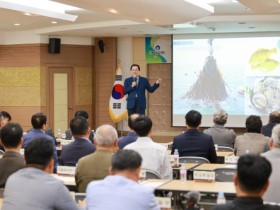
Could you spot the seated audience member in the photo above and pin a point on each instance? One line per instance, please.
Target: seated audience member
(95, 166)
(252, 141)
(39, 124)
(193, 142)
(6, 118)
(154, 155)
(81, 146)
(48, 131)
(273, 156)
(251, 182)
(221, 135)
(33, 188)
(121, 190)
(274, 118)
(80, 113)
(12, 160)
(132, 135)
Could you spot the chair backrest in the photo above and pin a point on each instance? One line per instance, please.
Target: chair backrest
(225, 174)
(225, 149)
(150, 174)
(2, 152)
(191, 159)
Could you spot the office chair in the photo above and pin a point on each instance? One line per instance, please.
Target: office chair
(192, 159)
(150, 174)
(225, 174)
(225, 149)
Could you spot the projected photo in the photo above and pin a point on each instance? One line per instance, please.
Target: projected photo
(224, 73)
(262, 95)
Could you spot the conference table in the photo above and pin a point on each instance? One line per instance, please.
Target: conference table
(208, 190)
(213, 166)
(189, 168)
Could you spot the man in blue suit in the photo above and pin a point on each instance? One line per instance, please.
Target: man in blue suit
(193, 142)
(81, 146)
(135, 87)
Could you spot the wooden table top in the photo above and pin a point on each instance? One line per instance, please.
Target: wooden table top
(154, 183)
(212, 167)
(223, 154)
(188, 166)
(203, 187)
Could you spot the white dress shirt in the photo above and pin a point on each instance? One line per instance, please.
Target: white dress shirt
(154, 156)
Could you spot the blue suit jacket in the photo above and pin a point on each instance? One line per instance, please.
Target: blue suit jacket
(128, 139)
(267, 129)
(195, 143)
(143, 84)
(35, 133)
(71, 153)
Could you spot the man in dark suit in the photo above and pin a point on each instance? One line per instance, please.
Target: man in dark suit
(135, 87)
(274, 119)
(132, 135)
(81, 146)
(12, 160)
(84, 114)
(39, 124)
(193, 142)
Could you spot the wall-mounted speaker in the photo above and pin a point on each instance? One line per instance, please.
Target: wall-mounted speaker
(101, 45)
(54, 45)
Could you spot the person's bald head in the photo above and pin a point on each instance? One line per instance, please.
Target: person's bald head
(274, 117)
(106, 135)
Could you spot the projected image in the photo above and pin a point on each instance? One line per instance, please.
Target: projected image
(209, 85)
(262, 60)
(262, 95)
(220, 73)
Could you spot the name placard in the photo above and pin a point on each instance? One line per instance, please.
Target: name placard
(231, 159)
(204, 175)
(66, 170)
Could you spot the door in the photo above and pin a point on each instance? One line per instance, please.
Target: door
(60, 97)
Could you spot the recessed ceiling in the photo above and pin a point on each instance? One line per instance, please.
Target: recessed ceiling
(141, 17)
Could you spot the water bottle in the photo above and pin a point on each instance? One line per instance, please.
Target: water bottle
(59, 133)
(183, 173)
(176, 157)
(221, 198)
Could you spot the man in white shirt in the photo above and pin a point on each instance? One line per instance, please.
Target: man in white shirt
(154, 155)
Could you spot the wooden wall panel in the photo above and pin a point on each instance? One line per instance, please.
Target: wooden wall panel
(105, 67)
(28, 63)
(20, 55)
(80, 57)
(22, 115)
